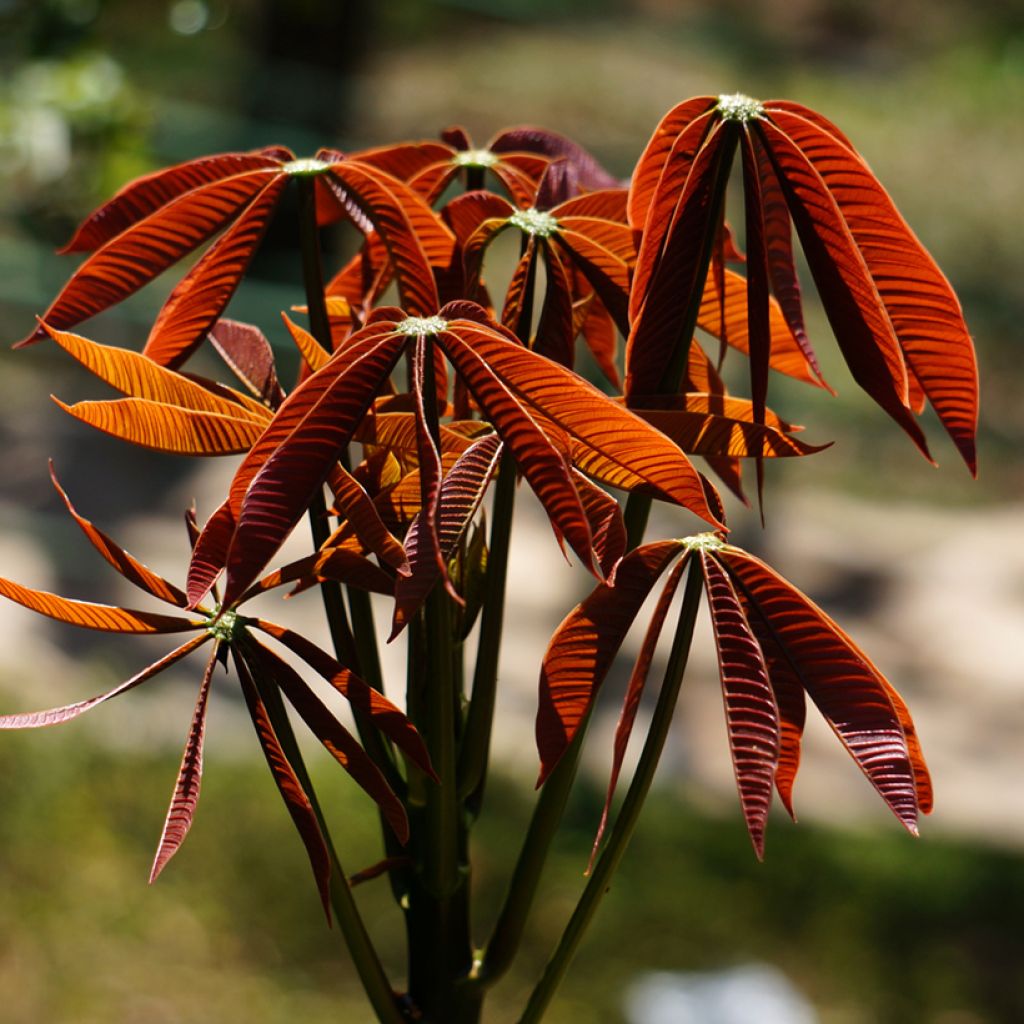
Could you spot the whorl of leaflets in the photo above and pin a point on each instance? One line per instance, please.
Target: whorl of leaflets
(895, 316)
(774, 647)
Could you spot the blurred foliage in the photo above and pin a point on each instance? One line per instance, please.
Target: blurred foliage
(872, 926)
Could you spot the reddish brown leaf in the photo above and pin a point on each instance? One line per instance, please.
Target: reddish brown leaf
(200, 297)
(852, 301)
(168, 428)
(330, 563)
(337, 740)
(607, 527)
(185, 797)
(543, 465)
(416, 238)
(609, 442)
(209, 553)
(246, 350)
(585, 644)
(918, 299)
(143, 196)
(103, 617)
(781, 265)
(138, 377)
(277, 480)
(710, 434)
(669, 279)
(384, 715)
(459, 498)
(750, 712)
(847, 688)
(150, 246)
(355, 505)
(55, 716)
(657, 153)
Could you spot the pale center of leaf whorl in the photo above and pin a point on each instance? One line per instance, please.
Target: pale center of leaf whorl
(534, 222)
(414, 326)
(475, 158)
(226, 626)
(305, 168)
(737, 107)
(703, 542)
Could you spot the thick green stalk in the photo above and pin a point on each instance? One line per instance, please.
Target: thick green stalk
(547, 816)
(440, 952)
(638, 506)
(625, 823)
(357, 939)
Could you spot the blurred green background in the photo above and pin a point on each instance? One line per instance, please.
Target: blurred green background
(870, 926)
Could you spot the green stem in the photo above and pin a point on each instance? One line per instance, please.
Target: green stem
(547, 816)
(440, 951)
(476, 743)
(625, 824)
(357, 939)
(638, 506)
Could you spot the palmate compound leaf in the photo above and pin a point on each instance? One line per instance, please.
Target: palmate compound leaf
(858, 702)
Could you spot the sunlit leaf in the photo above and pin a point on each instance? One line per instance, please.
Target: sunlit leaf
(750, 712)
(143, 196)
(56, 716)
(147, 248)
(168, 428)
(918, 300)
(138, 377)
(186, 789)
(585, 644)
(840, 679)
(385, 716)
(103, 617)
